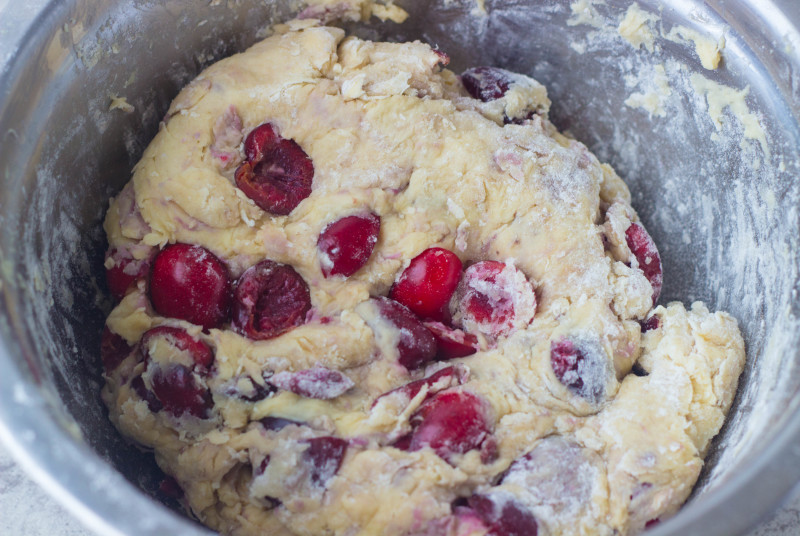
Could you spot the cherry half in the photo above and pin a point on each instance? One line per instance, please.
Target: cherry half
(125, 272)
(415, 346)
(113, 350)
(580, 367)
(346, 244)
(644, 249)
(438, 381)
(324, 455)
(277, 174)
(503, 516)
(452, 343)
(175, 384)
(428, 283)
(270, 299)
(451, 422)
(190, 283)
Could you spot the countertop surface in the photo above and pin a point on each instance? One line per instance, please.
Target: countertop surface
(27, 510)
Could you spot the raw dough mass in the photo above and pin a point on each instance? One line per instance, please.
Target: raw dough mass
(581, 409)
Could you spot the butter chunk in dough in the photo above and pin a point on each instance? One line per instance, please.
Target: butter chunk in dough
(552, 426)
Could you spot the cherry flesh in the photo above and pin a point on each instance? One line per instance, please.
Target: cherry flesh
(270, 299)
(346, 244)
(416, 346)
(428, 283)
(438, 381)
(503, 516)
(324, 455)
(486, 83)
(451, 422)
(277, 173)
(452, 343)
(190, 283)
(579, 367)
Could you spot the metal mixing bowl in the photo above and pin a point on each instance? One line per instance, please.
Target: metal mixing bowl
(724, 214)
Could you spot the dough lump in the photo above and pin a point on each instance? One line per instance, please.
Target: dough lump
(612, 444)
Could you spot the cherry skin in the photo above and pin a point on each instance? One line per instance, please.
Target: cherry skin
(270, 299)
(190, 283)
(346, 244)
(644, 249)
(277, 174)
(428, 283)
(416, 346)
(451, 422)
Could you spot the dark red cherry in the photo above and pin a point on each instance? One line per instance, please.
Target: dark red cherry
(346, 244)
(452, 343)
(580, 367)
(113, 350)
(270, 299)
(503, 515)
(190, 283)
(438, 381)
(428, 283)
(180, 392)
(416, 346)
(319, 382)
(324, 455)
(276, 423)
(650, 324)
(138, 386)
(644, 249)
(277, 174)
(486, 83)
(125, 272)
(451, 422)
(201, 355)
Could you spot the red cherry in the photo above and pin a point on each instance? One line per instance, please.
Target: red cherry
(346, 244)
(176, 385)
(452, 343)
(650, 324)
(580, 367)
(201, 354)
(277, 174)
(486, 83)
(190, 283)
(125, 272)
(113, 350)
(320, 383)
(644, 249)
(180, 392)
(138, 386)
(451, 422)
(428, 283)
(438, 381)
(270, 299)
(416, 346)
(503, 515)
(324, 455)
(494, 298)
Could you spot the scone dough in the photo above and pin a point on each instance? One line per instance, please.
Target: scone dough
(391, 131)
